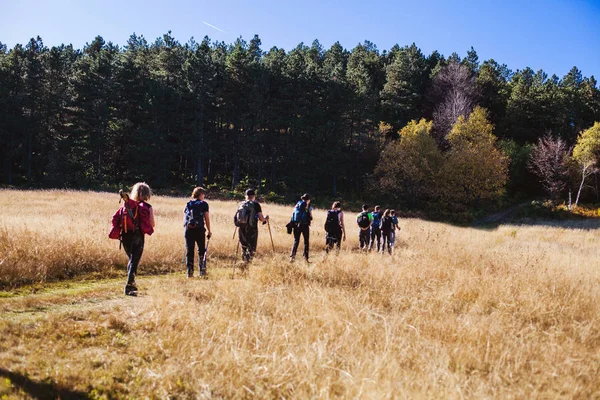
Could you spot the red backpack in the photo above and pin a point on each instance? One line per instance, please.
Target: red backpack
(131, 216)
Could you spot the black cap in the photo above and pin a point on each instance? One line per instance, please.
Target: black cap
(250, 192)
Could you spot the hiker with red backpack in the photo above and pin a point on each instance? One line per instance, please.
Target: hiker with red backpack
(246, 218)
(196, 221)
(363, 220)
(334, 227)
(130, 223)
(301, 218)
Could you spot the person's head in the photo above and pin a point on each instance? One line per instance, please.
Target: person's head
(386, 213)
(377, 208)
(141, 192)
(392, 212)
(305, 197)
(198, 193)
(336, 205)
(365, 207)
(250, 194)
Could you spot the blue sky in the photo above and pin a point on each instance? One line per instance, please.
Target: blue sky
(553, 35)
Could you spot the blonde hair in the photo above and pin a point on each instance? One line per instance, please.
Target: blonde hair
(197, 192)
(141, 192)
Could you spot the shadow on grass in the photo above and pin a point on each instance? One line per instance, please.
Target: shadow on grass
(40, 390)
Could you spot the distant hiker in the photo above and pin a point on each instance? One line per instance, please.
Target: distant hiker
(394, 227)
(364, 223)
(196, 221)
(387, 224)
(376, 228)
(301, 218)
(129, 224)
(246, 218)
(334, 227)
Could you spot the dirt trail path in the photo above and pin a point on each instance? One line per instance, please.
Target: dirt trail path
(59, 298)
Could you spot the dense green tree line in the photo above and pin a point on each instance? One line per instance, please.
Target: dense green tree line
(311, 119)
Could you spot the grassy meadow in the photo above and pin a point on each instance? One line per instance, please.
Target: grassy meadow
(509, 312)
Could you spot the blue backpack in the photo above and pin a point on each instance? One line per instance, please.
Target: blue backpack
(300, 214)
(194, 214)
(376, 219)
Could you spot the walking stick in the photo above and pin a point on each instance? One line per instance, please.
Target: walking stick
(237, 248)
(234, 231)
(271, 236)
(203, 265)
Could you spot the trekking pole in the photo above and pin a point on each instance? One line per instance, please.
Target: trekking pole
(271, 236)
(203, 265)
(236, 258)
(234, 231)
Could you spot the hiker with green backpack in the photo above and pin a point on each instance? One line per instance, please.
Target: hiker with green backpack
(301, 218)
(246, 218)
(363, 220)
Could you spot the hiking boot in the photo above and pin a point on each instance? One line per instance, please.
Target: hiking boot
(202, 273)
(131, 290)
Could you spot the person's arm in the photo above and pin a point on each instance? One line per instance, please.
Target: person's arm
(152, 217)
(341, 215)
(207, 222)
(259, 214)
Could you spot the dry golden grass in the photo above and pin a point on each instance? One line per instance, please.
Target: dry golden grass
(457, 313)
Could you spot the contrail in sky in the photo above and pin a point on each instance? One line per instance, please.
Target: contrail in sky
(212, 26)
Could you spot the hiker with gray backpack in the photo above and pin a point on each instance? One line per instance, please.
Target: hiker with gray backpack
(246, 218)
(363, 220)
(196, 221)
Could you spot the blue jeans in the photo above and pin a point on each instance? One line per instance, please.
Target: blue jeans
(133, 243)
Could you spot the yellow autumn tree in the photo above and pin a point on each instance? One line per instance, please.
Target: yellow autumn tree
(474, 170)
(408, 167)
(587, 154)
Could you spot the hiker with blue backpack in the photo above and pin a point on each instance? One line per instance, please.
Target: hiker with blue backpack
(301, 218)
(246, 218)
(395, 227)
(334, 227)
(376, 228)
(363, 220)
(196, 221)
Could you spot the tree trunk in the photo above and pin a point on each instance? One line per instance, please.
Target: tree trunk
(236, 161)
(273, 175)
(583, 175)
(334, 185)
(199, 166)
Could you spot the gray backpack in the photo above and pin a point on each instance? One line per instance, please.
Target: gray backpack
(245, 214)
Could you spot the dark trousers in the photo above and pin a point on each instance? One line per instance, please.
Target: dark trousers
(248, 240)
(364, 235)
(133, 243)
(194, 236)
(333, 239)
(386, 241)
(304, 230)
(375, 234)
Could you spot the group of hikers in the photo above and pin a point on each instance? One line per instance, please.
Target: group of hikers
(135, 218)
